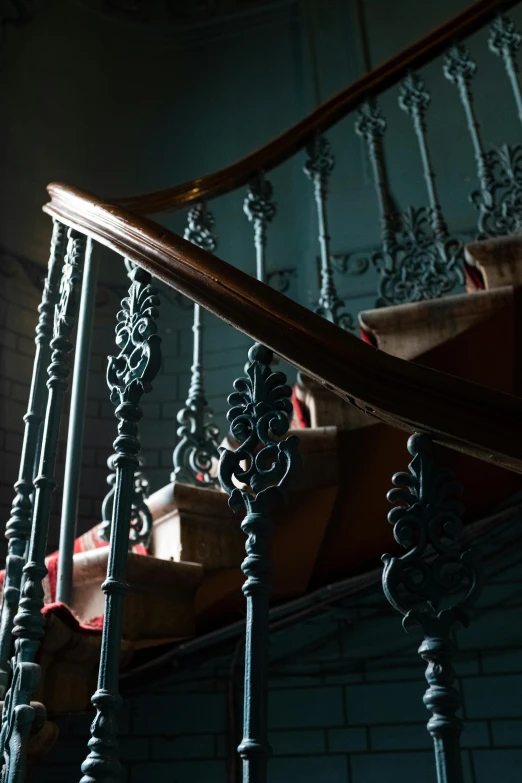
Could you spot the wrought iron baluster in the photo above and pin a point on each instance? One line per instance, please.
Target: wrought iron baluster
(459, 68)
(433, 585)
(141, 518)
(318, 168)
(263, 465)
(29, 623)
(504, 41)
(260, 209)
(414, 99)
(197, 449)
(371, 126)
(129, 376)
(18, 529)
(446, 267)
(73, 459)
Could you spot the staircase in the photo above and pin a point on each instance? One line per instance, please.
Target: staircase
(428, 364)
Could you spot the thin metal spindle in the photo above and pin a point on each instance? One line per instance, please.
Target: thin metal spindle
(73, 459)
(129, 376)
(371, 126)
(197, 449)
(318, 168)
(434, 585)
(18, 529)
(504, 41)
(260, 209)
(29, 623)
(265, 465)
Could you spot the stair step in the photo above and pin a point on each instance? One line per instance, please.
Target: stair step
(409, 330)
(160, 600)
(498, 262)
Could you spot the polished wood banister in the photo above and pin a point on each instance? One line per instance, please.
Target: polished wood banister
(326, 115)
(460, 414)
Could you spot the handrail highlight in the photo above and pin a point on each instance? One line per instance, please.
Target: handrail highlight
(460, 414)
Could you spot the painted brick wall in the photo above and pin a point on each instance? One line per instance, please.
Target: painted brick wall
(345, 703)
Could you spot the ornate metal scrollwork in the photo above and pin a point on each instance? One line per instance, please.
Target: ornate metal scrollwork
(18, 715)
(260, 208)
(256, 477)
(318, 168)
(414, 268)
(500, 208)
(200, 228)
(499, 198)
(433, 585)
(141, 517)
(129, 376)
(196, 453)
(504, 41)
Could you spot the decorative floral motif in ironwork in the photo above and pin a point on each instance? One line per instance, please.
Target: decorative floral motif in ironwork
(500, 207)
(196, 454)
(141, 517)
(263, 464)
(200, 229)
(417, 266)
(256, 477)
(414, 98)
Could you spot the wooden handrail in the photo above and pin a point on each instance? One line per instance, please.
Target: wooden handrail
(460, 414)
(326, 115)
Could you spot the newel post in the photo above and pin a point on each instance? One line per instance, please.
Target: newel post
(263, 465)
(434, 585)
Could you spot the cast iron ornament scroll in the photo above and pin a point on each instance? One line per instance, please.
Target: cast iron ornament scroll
(260, 208)
(256, 477)
(434, 585)
(141, 517)
(499, 198)
(129, 376)
(435, 267)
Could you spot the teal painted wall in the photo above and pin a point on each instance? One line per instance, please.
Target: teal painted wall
(345, 703)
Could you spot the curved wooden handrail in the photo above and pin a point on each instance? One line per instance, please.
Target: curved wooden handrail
(460, 414)
(326, 115)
